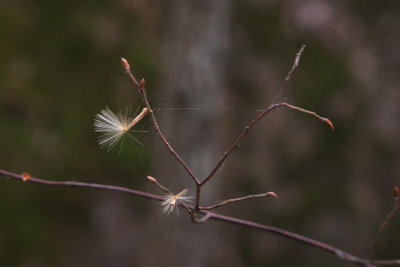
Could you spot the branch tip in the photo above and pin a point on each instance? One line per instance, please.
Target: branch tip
(330, 124)
(151, 179)
(271, 194)
(125, 64)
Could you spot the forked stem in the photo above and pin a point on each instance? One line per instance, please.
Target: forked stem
(251, 125)
(142, 92)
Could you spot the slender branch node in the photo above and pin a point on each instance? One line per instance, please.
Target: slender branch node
(142, 83)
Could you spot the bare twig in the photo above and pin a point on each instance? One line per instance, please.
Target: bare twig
(312, 113)
(290, 73)
(163, 188)
(385, 223)
(228, 201)
(143, 94)
(251, 125)
(342, 255)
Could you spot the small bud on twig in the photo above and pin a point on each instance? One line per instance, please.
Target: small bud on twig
(25, 176)
(142, 82)
(125, 64)
(330, 124)
(396, 191)
(152, 179)
(271, 194)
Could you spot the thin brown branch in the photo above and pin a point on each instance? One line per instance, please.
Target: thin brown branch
(198, 191)
(27, 178)
(265, 112)
(290, 73)
(343, 255)
(163, 188)
(232, 200)
(251, 125)
(312, 113)
(143, 94)
(386, 221)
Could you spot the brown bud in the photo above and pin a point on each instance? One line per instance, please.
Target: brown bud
(25, 176)
(396, 191)
(330, 124)
(271, 194)
(152, 179)
(125, 64)
(142, 82)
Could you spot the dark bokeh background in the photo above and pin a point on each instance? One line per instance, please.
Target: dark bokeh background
(60, 66)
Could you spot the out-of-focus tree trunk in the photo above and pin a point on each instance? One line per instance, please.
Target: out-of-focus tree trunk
(194, 55)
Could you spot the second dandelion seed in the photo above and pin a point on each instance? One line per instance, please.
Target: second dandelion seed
(114, 126)
(171, 201)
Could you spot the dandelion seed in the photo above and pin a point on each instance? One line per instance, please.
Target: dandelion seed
(171, 201)
(113, 126)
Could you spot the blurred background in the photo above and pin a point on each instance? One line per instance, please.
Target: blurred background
(209, 67)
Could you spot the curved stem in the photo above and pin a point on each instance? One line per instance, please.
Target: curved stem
(143, 94)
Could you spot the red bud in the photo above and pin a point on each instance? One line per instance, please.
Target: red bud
(396, 191)
(25, 176)
(330, 124)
